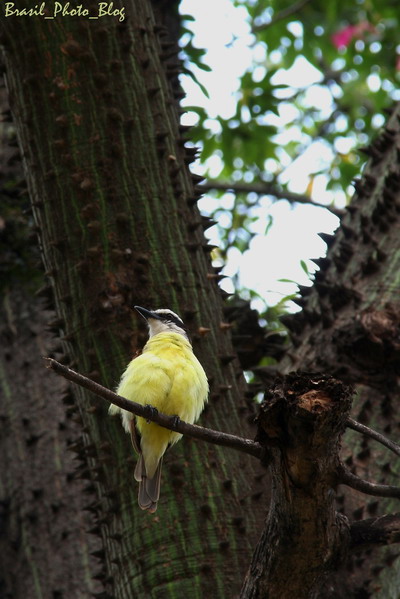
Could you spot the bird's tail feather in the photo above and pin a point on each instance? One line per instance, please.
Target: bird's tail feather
(140, 469)
(149, 488)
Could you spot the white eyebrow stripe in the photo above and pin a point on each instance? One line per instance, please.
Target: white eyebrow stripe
(167, 312)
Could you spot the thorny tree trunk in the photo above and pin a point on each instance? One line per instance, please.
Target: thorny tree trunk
(350, 327)
(41, 498)
(117, 221)
(302, 418)
(45, 546)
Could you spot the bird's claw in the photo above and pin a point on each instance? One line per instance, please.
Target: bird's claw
(175, 421)
(152, 413)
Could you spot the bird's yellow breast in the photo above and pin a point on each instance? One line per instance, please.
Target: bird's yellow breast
(168, 376)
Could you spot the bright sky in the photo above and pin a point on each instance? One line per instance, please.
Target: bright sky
(293, 236)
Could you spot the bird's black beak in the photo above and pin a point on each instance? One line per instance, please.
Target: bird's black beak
(146, 313)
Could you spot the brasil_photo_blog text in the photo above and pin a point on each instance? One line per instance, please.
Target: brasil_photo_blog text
(52, 10)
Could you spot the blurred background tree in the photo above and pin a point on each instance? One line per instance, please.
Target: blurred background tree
(319, 78)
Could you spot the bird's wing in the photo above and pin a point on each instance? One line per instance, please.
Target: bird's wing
(135, 437)
(147, 380)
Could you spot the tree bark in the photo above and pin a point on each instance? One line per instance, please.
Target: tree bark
(44, 504)
(302, 420)
(48, 542)
(349, 326)
(115, 209)
(350, 317)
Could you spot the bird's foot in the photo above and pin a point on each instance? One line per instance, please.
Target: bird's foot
(152, 413)
(175, 421)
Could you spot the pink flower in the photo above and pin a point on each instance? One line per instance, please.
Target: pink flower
(343, 37)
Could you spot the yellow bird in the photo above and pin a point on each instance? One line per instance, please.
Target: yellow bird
(169, 377)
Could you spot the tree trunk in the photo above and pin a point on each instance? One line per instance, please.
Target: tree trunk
(349, 327)
(45, 546)
(115, 207)
(45, 549)
(304, 539)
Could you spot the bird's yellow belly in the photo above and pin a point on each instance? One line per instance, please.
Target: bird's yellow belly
(178, 395)
(169, 378)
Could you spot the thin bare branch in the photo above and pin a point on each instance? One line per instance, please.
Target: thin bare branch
(267, 189)
(345, 477)
(369, 432)
(283, 14)
(149, 413)
(383, 530)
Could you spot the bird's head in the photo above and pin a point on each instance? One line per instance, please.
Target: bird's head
(162, 320)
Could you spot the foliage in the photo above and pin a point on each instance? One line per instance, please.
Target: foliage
(322, 75)
(353, 49)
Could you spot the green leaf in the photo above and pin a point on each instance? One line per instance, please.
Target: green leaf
(304, 267)
(204, 67)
